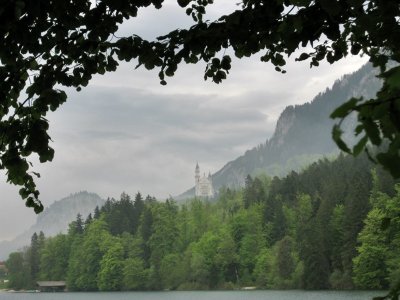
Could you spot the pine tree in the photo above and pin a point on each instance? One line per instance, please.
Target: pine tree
(34, 258)
(79, 225)
(138, 207)
(96, 213)
(355, 210)
(248, 193)
(88, 220)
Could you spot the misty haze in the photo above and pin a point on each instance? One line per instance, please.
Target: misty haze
(167, 185)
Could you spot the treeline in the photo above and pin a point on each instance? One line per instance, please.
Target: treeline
(336, 225)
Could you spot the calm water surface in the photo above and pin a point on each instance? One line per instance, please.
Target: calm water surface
(199, 295)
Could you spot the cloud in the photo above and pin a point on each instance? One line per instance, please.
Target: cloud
(110, 140)
(126, 132)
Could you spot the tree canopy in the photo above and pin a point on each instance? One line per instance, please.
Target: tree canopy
(304, 231)
(50, 45)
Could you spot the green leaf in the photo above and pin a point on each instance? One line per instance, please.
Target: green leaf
(219, 76)
(360, 146)
(344, 109)
(30, 202)
(24, 193)
(372, 131)
(337, 137)
(391, 162)
(38, 207)
(215, 62)
(226, 63)
(392, 77)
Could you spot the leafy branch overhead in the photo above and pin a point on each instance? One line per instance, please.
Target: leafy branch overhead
(48, 45)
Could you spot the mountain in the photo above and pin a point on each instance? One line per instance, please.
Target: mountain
(54, 219)
(302, 134)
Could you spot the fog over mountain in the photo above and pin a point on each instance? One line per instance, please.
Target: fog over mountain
(55, 219)
(126, 132)
(302, 133)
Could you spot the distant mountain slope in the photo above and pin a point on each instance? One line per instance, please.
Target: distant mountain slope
(55, 219)
(302, 134)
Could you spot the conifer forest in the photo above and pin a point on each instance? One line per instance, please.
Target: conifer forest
(335, 225)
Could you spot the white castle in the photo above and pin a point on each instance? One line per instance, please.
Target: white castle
(203, 185)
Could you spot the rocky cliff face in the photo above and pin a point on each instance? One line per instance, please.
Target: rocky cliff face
(302, 134)
(283, 125)
(55, 219)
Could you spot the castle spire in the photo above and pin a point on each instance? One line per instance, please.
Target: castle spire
(197, 172)
(203, 185)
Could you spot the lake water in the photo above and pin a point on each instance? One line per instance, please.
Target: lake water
(199, 295)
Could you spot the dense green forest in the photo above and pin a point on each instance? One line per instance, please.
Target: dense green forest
(336, 225)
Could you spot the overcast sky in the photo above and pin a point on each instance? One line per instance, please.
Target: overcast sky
(126, 132)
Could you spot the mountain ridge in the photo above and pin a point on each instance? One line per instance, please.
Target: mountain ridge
(54, 219)
(302, 134)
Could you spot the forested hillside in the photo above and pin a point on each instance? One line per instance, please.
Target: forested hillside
(314, 230)
(302, 134)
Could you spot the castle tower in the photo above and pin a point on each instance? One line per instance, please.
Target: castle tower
(197, 180)
(197, 173)
(203, 185)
